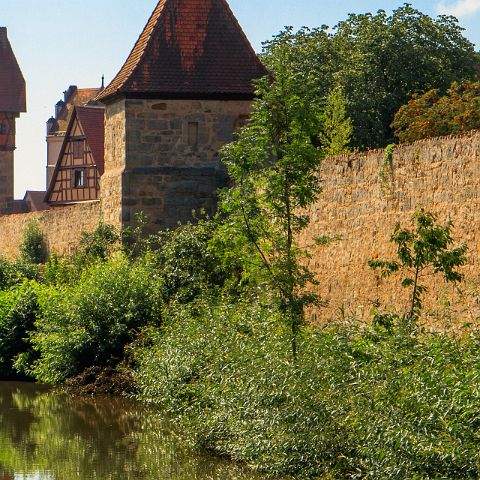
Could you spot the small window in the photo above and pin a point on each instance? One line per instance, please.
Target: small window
(193, 134)
(2, 128)
(78, 148)
(79, 179)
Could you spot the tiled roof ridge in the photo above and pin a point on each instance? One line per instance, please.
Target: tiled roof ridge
(233, 77)
(240, 30)
(152, 22)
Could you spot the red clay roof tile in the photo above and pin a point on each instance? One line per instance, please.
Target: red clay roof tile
(92, 120)
(12, 83)
(189, 47)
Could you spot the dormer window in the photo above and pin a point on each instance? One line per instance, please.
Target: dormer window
(78, 149)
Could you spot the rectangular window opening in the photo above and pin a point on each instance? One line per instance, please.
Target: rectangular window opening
(79, 179)
(193, 134)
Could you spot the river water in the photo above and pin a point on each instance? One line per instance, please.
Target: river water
(46, 435)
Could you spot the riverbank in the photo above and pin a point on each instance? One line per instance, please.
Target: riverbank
(214, 352)
(51, 435)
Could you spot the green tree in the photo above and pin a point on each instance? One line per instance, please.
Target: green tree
(380, 61)
(273, 165)
(422, 252)
(337, 127)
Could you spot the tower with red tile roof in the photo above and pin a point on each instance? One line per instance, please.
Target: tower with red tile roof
(12, 103)
(184, 88)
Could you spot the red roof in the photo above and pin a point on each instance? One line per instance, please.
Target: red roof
(92, 120)
(35, 201)
(12, 83)
(189, 48)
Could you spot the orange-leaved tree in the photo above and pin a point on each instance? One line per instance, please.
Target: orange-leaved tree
(433, 115)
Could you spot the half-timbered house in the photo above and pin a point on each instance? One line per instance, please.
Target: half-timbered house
(81, 160)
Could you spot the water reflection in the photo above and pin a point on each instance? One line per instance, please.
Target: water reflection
(49, 436)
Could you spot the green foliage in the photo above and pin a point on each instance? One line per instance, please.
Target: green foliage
(273, 165)
(190, 260)
(90, 322)
(18, 312)
(357, 404)
(379, 60)
(422, 251)
(15, 273)
(337, 126)
(433, 115)
(33, 249)
(99, 244)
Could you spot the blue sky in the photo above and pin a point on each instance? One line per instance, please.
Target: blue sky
(73, 42)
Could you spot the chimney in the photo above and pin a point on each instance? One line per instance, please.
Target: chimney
(3, 37)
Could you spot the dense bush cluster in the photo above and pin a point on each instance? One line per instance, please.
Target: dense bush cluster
(370, 404)
(433, 114)
(376, 402)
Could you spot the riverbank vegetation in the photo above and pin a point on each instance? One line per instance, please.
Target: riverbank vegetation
(208, 319)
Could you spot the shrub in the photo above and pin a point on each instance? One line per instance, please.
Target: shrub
(99, 244)
(191, 261)
(433, 115)
(33, 248)
(90, 322)
(18, 311)
(358, 404)
(15, 273)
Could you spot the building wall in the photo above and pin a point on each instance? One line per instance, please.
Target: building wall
(61, 227)
(162, 157)
(112, 178)
(6, 179)
(362, 201)
(54, 146)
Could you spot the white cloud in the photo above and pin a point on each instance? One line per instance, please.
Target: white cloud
(460, 8)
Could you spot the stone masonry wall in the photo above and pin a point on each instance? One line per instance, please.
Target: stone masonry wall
(171, 159)
(111, 180)
(6, 178)
(364, 198)
(61, 226)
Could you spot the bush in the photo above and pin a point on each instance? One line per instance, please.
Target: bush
(90, 322)
(433, 115)
(18, 311)
(15, 273)
(191, 261)
(357, 405)
(33, 248)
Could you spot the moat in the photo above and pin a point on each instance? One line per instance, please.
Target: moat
(47, 435)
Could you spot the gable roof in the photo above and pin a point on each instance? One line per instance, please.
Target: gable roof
(35, 200)
(92, 122)
(189, 48)
(12, 83)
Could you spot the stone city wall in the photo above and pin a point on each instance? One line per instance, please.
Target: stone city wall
(363, 199)
(61, 226)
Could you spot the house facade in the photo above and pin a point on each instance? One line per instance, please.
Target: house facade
(58, 124)
(80, 163)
